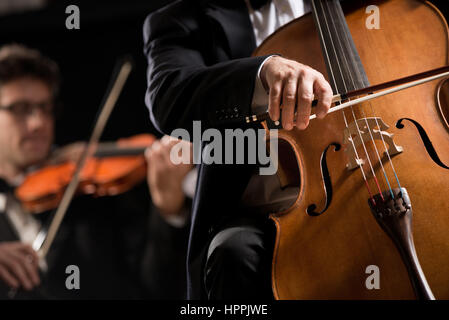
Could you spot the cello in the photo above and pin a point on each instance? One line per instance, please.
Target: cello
(372, 178)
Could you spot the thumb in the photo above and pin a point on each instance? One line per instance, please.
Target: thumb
(147, 155)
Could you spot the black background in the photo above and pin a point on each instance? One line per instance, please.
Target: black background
(86, 57)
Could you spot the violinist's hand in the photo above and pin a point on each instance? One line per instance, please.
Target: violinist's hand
(290, 82)
(165, 178)
(71, 152)
(18, 265)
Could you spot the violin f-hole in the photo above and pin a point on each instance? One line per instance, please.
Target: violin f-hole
(327, 183)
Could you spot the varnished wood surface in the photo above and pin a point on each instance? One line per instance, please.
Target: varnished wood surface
(325, 257)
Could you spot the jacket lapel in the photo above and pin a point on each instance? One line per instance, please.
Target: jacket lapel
(233, 17)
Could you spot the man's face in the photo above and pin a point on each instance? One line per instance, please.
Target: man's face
(26, 129)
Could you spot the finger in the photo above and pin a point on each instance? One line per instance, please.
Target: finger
(183, 153)
(166, 139)
(289, 102)
(32, 271)
(18, 271)
(169, 144)
(323, 92)
(153, 156)
(15, 264)
(187, 147)
(173, 141)
(15, 245)
(305, 98)
(31, 254)
(165, 155)
(158, 160)
(30, 268)
(8, 278)
(274, 100)
(156, 146)
(147, 154)
(151, 151)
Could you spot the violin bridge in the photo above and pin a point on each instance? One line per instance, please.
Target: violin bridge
(378, 132)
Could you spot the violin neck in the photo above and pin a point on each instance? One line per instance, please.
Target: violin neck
(113, 150)
(344, 67)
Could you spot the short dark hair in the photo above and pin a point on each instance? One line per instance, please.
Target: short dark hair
(18, 61)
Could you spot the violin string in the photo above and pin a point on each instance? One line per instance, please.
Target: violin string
(352, 109)
(383, 142)
(358, 160)
(362, 108)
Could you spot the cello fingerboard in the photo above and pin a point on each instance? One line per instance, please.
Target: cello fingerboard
(342, 60)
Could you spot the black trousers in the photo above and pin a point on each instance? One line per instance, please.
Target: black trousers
(239, 260)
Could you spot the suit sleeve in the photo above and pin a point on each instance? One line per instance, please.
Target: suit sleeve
(182, 88)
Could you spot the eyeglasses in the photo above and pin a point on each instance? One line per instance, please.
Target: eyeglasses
(23, 109)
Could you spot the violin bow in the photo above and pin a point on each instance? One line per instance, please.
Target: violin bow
(390, 87)
(46, 236)
(43, 242)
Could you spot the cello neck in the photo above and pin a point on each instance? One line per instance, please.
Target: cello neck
(343, 64)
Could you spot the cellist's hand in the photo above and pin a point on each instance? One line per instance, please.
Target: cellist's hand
(290, 83)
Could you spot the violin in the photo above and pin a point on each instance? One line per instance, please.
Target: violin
(63, 182)
(373, 178)
(114, 168)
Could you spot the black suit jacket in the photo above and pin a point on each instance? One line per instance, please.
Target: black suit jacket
(122, 246)
(104, 237)
(199, 68)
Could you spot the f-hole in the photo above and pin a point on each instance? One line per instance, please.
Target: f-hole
(425, 139)
(327, 183)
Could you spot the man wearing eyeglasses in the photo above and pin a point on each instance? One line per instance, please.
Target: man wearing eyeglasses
(105, 238)
(26, 135)
(26, 118)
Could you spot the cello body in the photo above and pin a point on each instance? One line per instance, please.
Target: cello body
(338, 253)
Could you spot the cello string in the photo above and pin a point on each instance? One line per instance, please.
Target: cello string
(384, 144)
(358, 160)
(352, 109)
(376, 149)
(363, 111)
(386, 150)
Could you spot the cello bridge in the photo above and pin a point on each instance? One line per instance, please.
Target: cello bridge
(364, 130)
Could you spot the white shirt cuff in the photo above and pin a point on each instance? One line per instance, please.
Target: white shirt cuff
(259, 102)
(177, 221)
